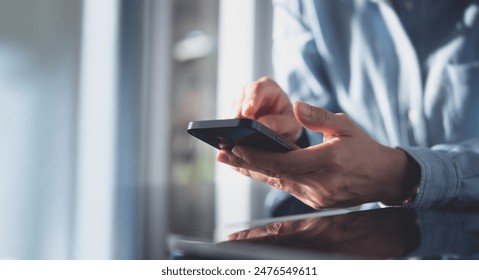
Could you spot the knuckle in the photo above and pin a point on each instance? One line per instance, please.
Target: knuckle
(345, 120)
(276, 183)
(264, 78)
(260, 85)
(272, 182)
(242, 171)
(234, 161)
(343, 117)
(274, 228)
(255, 87)
(321, 116)
(270, 173)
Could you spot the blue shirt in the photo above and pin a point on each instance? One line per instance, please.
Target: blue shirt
(407, 72)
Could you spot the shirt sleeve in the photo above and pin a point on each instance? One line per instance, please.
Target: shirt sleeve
(449, 175)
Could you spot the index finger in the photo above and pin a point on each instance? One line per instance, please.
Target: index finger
(260, 98)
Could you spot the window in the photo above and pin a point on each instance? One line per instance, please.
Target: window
(39, 62)
(95, 98)
(193, 97)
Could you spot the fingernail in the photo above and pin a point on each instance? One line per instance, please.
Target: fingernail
(237, 152)
(305, 110)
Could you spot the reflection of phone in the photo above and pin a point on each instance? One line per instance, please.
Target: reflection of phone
(225, 134)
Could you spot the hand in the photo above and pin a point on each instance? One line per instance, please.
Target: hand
(267, 103)
(381, 233)
(347, 169)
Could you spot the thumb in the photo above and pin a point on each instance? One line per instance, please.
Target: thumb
(320, 120)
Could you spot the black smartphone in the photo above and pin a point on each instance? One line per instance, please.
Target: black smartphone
(225, 134)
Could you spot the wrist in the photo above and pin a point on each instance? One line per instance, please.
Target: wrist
(406, 175)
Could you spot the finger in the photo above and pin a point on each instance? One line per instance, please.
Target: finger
(227, 157)
(258, 173)
(261, 97)
(320, 120)
(290, 165)
(237, 105)
(223, 156)
(285, 125)
(298, 185)
(302, 192)
(271, 229)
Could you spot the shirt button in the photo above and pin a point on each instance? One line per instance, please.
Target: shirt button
(413, 116)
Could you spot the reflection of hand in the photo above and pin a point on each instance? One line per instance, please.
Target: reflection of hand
(384, 233)
(348, 169)
(267, 103)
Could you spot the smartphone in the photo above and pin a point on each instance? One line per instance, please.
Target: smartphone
(225, 134)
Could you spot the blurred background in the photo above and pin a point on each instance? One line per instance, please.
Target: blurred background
(95, 98)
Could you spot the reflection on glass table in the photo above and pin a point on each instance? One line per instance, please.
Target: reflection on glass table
(389, 233)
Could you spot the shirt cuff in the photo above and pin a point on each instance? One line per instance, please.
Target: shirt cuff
(439, 177)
